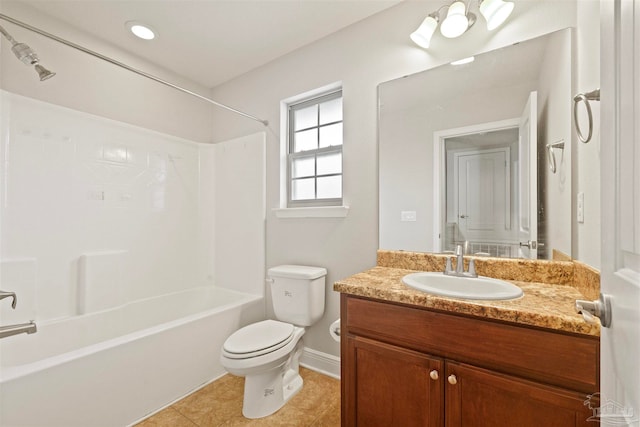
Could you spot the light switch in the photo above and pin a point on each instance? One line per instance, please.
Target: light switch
(580, 207)
(408, 216)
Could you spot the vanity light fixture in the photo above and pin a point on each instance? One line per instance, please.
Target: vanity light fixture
(459, 19)
(140, 30)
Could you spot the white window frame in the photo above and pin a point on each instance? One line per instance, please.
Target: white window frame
(312, 208)
(314, 153)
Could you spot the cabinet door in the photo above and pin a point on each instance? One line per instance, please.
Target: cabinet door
(392, 386)
(478, 397)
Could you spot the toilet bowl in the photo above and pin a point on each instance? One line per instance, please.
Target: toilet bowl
(243, 354)
(271, 373)
(267, 353)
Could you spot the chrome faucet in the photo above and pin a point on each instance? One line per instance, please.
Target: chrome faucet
(459, 271)
(7, 331)
(4, 294)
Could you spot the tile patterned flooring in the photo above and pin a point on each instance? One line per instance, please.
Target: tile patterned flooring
(220, 404)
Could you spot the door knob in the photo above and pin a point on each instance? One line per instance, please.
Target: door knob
(433, 374)
(531, 244)
(600, 308)
(452, 379)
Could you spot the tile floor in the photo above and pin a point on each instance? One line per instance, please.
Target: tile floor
(220, 404)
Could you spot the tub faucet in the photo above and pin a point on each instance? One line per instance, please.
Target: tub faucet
(7, 331)
(4, 294)
(459, 271)
(28, 328)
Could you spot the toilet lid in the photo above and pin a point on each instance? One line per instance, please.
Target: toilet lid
(261, 337)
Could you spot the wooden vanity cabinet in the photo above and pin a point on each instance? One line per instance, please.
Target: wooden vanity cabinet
(480, 397)
(393, 386)
(407, 366)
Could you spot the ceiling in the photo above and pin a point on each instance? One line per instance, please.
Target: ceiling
(212, 41)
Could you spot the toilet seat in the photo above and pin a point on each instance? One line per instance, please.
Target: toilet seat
(258, 339)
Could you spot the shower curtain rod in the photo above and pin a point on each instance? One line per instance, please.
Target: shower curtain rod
(127, 67)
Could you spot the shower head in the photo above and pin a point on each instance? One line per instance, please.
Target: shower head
(43, 73)
(28, 56)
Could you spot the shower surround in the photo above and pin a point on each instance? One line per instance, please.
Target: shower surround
(105, 220)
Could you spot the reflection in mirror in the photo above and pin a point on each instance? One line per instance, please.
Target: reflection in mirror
(463, 156)
(480, 187)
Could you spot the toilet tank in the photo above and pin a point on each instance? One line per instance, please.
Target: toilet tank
(297, 293)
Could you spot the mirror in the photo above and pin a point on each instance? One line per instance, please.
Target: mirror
(463, 156)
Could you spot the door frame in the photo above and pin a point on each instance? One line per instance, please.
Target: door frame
(439, 169)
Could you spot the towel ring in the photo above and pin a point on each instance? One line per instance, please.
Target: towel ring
(552, 154)
(594, 95)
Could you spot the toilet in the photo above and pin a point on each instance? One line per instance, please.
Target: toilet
(266, 353)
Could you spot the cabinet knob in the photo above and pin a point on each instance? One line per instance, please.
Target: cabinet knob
(452, 380)
(433, 374)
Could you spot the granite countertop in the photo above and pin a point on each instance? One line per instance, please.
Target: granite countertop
(543, 305)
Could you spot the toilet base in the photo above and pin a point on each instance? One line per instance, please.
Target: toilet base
(265, 393)
(292, 386)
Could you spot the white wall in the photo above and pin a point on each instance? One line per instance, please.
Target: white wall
(96, 213)
(239, 213)
(76, 184)
(586, 242)
(362, 56)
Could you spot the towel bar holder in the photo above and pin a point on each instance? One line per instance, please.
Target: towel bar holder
(594, 95)
(552, 154)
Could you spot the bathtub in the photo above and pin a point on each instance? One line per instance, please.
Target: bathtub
(113, 368)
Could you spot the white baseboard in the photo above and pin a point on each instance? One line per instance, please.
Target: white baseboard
(318, 361)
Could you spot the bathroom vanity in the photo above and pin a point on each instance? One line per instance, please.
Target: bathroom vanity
(414, 359)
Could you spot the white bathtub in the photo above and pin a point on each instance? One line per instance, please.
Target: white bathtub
(114, 367)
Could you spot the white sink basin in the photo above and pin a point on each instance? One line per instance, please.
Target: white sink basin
(484, 288)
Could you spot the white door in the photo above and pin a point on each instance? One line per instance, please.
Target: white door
(528, 179)
(481, 189)
(620, 163)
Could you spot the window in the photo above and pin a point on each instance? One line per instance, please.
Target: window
(314, 151)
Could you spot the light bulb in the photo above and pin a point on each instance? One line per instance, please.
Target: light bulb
(456, 22)
(495, 12)
(422, 36)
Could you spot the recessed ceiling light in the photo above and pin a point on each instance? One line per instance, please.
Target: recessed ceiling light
(141, 30)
